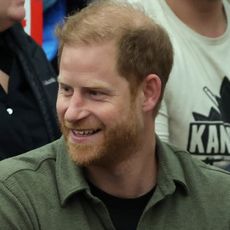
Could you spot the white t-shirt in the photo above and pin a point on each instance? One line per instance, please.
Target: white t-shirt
(195, 111)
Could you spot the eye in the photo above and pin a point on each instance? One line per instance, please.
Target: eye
(96, 94)
(65, 89)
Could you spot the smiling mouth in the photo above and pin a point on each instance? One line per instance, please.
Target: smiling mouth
(85, 132)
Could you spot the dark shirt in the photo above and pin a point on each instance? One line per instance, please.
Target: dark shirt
(6, 56)
(21, 125)
(125, 213)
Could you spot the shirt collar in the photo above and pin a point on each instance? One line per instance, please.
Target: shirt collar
(71, 180)
(171, 168)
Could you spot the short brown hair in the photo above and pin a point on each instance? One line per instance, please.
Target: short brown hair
(143, 46)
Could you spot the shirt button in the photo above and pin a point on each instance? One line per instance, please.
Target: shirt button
(10, 111)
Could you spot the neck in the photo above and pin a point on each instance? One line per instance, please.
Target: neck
(128, 179)
(206, 17)
(5, 24)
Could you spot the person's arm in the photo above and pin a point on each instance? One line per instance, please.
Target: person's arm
(162, 122)
(13, 214)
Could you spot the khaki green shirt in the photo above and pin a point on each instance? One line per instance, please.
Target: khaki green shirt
(44, 189)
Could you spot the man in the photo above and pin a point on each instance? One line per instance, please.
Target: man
(28, 87)
(110, 171)
(195, 110)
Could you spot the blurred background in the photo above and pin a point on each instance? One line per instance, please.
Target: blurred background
(42, 16)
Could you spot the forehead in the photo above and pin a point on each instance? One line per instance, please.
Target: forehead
(87, 55)
(94, 63)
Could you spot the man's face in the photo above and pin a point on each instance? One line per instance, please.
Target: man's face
(99, 120)
(11, 11)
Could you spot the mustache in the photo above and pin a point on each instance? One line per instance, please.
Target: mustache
(81, 125)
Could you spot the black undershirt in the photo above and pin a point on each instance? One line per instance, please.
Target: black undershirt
(125, 213)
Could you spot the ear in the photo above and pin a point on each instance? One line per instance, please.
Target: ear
(151, 91)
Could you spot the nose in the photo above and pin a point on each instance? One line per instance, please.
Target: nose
(77, 108)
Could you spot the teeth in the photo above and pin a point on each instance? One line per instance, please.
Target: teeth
(84, 132)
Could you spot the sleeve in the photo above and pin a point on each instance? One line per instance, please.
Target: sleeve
(13, 214)
(162, 122)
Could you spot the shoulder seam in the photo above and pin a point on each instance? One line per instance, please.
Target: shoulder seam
(37, 166)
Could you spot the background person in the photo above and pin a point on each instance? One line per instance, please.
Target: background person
(28, 87)
(195, 114)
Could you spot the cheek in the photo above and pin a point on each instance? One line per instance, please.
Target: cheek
(106, 114)
(118, 114)
(16, 12)
(60, 107)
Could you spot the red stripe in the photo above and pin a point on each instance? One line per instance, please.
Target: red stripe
(23, 22)
(37, 20)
